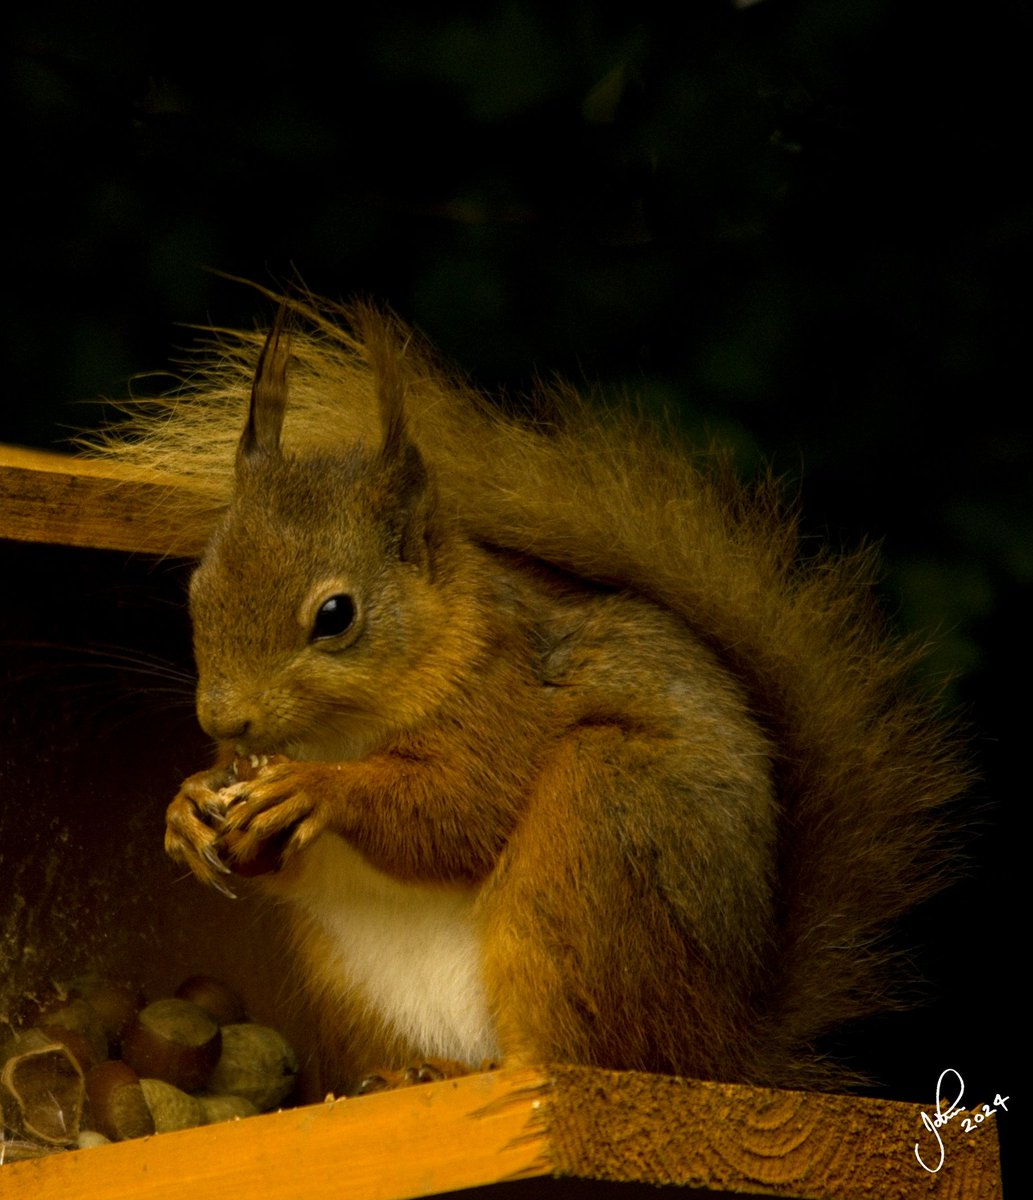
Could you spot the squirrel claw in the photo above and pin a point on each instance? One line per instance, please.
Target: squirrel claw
(211, 857)
(213, 813)
(219, 886)
(431, 1071)
(374, 1083)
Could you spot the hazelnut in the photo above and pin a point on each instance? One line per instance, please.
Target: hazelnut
(80, 1016)
(170, 1107)
(267, 858)
(257, 1063)
(114, 1003)
(118, 1107)
(217, 999)
(173, 1040)
(221, 1107)
(265, 861)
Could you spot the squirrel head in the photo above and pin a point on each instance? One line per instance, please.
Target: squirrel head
(318, 605)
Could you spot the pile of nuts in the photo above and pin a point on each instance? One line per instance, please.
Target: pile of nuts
(99, 1065)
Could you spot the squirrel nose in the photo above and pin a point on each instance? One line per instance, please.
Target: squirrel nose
(227, 730)
(221, 720)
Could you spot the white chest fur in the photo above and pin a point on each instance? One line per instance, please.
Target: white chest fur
(412, 950)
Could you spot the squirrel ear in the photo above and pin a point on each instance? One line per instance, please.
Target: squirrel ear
(261, 436)
(410, 513)
(398, 457)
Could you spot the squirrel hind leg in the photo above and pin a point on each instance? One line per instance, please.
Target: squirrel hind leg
(588, 958)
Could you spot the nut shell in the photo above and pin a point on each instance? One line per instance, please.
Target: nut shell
(118, 1107)
(88, 1138)
(246, 767)
(226, 1108)
(78, 1045)
(114, 1002)
(173, 1040)
(171, 1108)
(42, 1089)
(79, 1015)
(257, 1063)
(267, 860)
(217, 999)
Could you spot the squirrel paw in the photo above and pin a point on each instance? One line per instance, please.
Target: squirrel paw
(267, 819)
(430, 1071)
(192, 826)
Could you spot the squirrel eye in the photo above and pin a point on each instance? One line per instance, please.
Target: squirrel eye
(335, 616)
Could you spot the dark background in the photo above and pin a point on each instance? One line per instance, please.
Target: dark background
(799, 225)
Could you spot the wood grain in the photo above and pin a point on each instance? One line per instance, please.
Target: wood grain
(763, 1141)
(56, 498)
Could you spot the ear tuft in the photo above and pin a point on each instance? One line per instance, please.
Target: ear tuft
(261, 436)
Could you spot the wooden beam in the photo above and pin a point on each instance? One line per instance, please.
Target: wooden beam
(456, 1134)
(522, 1123)
(55, 498)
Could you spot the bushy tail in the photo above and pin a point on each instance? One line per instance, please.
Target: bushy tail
(864, 769)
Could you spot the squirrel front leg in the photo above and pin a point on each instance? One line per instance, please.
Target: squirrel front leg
(414, 813)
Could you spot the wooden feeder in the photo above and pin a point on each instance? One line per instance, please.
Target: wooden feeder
(93, 594)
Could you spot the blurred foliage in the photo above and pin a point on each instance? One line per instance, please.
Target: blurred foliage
(803, 220)
(802, 225)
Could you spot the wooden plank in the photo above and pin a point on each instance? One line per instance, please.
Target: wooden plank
(523, 1123)
(762, 1141)
(46, 497)
(456, 1134)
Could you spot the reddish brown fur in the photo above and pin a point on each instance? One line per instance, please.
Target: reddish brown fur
(678, 769)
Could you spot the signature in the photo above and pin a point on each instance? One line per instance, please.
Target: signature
(935, 1124)
(942, 1115)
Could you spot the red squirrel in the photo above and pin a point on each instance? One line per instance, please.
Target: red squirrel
(560, 750)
